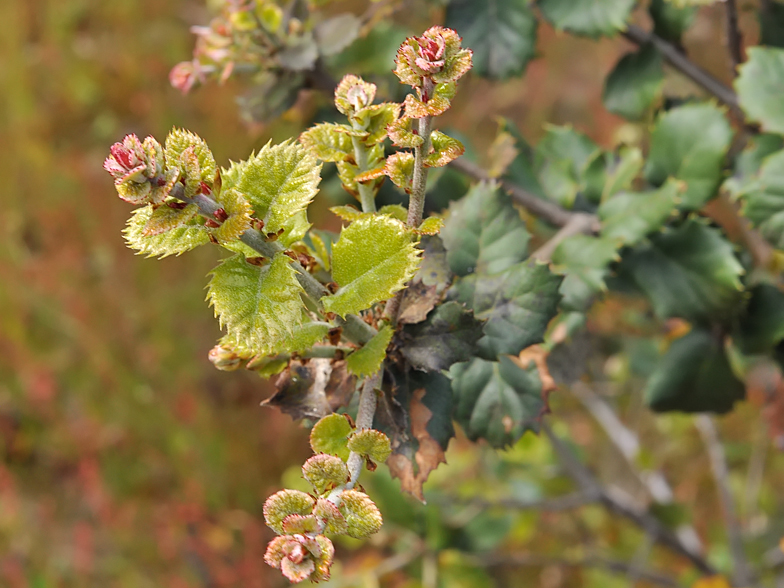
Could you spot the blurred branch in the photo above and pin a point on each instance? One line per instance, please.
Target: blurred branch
(684, 65)
(526, 559)
(718, 460)
(579, 223)
(614, 503)
(561, 503)
(734, 38)
(547, 211)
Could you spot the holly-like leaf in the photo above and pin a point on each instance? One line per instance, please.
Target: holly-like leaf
(258, 306)
(688, 272)
(584, 261)
(374, 258)
(370, 443)
(622, 172)
(628, 217)
(501, 33)
(178, 141)
(760, 85)
(173, 242)
(689, 143)
(670, 21)
(325, 471)
(449, 335)
(484, 232)
(694, 376)
(164, 218)
(328, 142)
(562, 160)
(634, 85)
(362, 515)
(280, 181)
(285, 503)
(592, 18)
(367, 360)
(517, 305)
(763, 200)
(761, 326)
(497, 400)
(330, 435)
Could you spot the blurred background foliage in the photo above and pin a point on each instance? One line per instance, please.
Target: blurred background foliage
(128, 461)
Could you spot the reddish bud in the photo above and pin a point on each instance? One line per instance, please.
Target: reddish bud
(211, 223)
(220, 214)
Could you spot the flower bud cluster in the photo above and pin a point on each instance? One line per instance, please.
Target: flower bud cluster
(137, 169)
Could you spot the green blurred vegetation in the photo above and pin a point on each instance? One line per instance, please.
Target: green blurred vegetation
(129, 462)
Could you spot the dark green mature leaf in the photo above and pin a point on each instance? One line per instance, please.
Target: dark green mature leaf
(689, 143)
(634, 85)
(562, 159)
(517, 304)
(497, 400)
(694, 376)
(501, 33)
(258, 306)
(761, 326)
(521, 170)
(760, 86)
(749, 161)
(587, 17)
(771, 20)
(628, 217)
(584, 261)
(670, 21)
(449, 335)
(484, 232)
(763, 200)
(688, 272)
(623, 171)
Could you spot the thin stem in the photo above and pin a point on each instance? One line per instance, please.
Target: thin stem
(367, 196)
(416, 202)
(707, 428)
(684, 65)
(734, 37)
(365, 414)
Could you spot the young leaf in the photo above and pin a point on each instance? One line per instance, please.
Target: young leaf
(449, 335)
(172, 242)
(236, 206)
(178, 141)
(400, 169)
(763, 202)
(445, 149)
(501, 33)
(592, 18)
(689, 272)
(362, 515)
(497, 400)
(630, 216)
(634, 85)
(430, 226)
(279, 181)
(328, 142)
(689, 143)
(371, 443)
(694, 376)
(366, 360)
(285, 503)
(584, 260)
(330, 435)
(760, 84)
(164, 219)
(484, 232)
(374, 258)
(330, 514)
(258, 306)
(325, 471)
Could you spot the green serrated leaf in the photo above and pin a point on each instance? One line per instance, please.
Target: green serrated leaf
(521, 171)
(362, 515)
(445, 149)
(690, 143)
(395, 211)
(431, 226)
(670, 21)
(258, 306)
(347, 212)
(501, 33)
(178, 141)
(763, 200)
(295, 229)
(749, 162)
(761, 326)
(760, 84)
(592, 18)
(374, 258)
(380, 116)
(694, 376)
(634, 85)
(165, 218)
(328, 142)
(484, 232)
(621, 174)
(517, 305)
(330, 435)
(173, 242)
(496, 400)
(236, 206)
(371, 443)
(280, 181)
(628, 217)
(449, 335)
(584, 261)
(367, 360)
(561, 160)
(688, 272)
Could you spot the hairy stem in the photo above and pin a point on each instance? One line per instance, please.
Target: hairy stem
(367, 196)
(416, 203)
